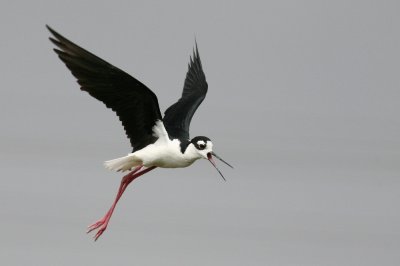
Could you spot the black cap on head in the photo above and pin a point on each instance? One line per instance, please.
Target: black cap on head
(199, 142)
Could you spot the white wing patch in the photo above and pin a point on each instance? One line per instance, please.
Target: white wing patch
(160, 132)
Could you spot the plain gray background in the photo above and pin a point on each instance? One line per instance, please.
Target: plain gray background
(303, 100)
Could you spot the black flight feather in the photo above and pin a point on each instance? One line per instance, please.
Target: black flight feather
(135, 104)
(178, 116)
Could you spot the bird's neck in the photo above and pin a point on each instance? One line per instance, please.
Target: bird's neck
(191, 153)
(183, 145)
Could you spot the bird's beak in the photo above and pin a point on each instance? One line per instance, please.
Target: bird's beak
(210, 158)
(219, 158)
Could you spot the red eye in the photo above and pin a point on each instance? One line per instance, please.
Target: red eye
(202, 146)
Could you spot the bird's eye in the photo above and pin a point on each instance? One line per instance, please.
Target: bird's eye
(202, 146)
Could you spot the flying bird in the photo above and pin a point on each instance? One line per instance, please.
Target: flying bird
(156, 141)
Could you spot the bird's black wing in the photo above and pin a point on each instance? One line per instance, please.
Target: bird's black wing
(135, 104)
(178, 116)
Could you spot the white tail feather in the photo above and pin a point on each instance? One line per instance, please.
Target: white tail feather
(121, 164)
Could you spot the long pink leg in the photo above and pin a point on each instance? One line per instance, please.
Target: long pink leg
(126, 180)
(119, 194)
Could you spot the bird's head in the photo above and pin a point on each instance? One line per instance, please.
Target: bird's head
(203, 146)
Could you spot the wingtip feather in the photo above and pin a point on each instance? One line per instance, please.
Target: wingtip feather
(52, 31)
(197, 48)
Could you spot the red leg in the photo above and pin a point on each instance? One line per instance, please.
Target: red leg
(126, 180)
(119, 194)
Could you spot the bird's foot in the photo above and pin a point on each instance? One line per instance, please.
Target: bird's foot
(100, 232)
(102, 224)
(95, 225)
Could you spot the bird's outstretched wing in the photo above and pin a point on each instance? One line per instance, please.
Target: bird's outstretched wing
(178, 116)
(135, 104)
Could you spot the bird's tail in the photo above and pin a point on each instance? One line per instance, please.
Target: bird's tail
(122, 164)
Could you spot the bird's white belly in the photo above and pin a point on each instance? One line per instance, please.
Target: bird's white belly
(166, 155)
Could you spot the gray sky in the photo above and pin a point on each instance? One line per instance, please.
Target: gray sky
(303, 100)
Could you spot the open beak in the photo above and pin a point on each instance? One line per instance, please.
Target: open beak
(211, 159)
(219, 158)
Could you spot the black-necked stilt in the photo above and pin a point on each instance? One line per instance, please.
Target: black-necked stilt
(156, 141)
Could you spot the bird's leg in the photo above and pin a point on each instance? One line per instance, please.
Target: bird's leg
(107, 216)
(119, 194)
(126, 180)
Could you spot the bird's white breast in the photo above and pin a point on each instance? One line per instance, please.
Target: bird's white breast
(164, 154)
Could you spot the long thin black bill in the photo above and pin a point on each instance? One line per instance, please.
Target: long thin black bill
(213, 163)
(222, 160)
